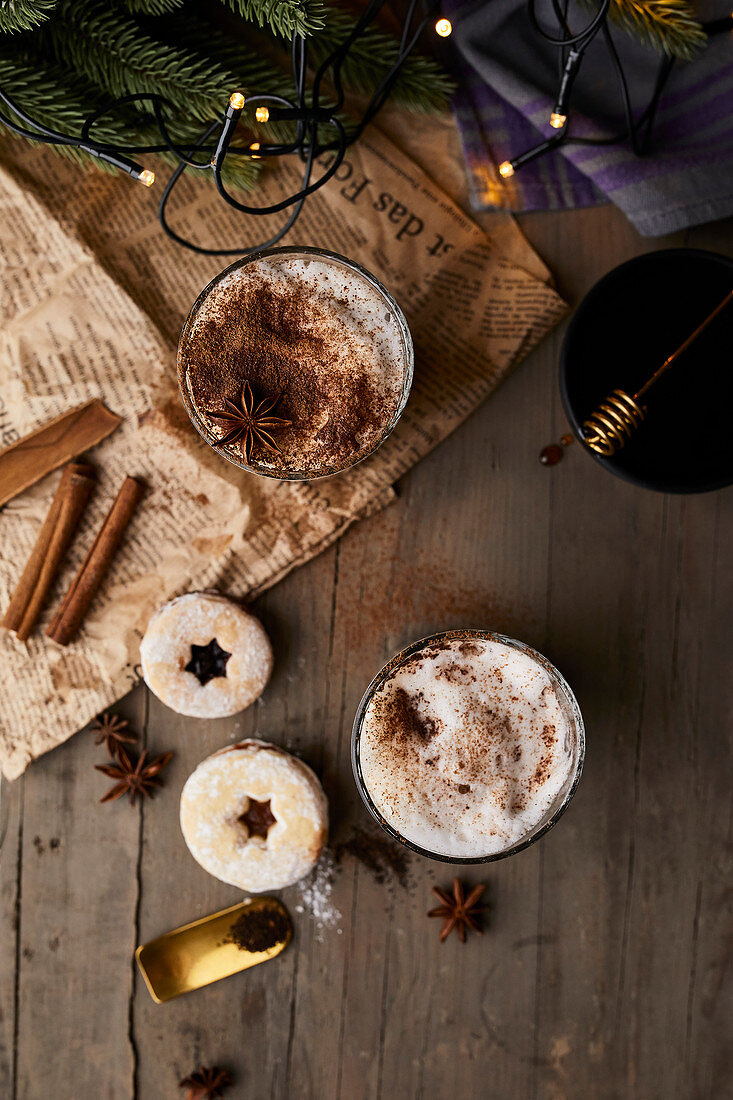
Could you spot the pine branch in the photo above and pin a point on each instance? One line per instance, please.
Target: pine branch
(422, 85)
(126, 56)
(109, 47)
(22, 15)
(64, 101)
(283, 17)
(153, 7)
(49, 94)
(90, 52)
(668, 26)
(255, 73)
(252, 72)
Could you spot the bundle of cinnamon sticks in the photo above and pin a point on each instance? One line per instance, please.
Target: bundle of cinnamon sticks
(53, 540)
(22, 464)
(51, 545)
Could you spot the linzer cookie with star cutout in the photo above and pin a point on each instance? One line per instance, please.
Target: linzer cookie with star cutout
(295, 363)
(205, 656)
(254, 816)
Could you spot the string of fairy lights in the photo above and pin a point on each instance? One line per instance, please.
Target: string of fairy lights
(571, 50)
(317, 116)
(315, 113)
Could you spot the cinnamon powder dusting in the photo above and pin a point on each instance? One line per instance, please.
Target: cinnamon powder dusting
(295, 340)
(402, 717)
(465, 746)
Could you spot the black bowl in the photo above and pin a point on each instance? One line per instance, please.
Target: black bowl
(624, 328)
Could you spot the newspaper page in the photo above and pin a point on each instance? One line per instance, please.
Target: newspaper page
(94, 299)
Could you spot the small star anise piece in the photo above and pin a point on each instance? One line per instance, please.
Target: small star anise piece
(206, 1083)
(458, 911)
(112, 732)
(247, 423)
(134, 777)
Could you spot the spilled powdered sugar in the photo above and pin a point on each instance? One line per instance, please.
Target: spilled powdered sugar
(315, 896)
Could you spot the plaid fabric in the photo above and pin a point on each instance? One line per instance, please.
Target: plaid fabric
(508, 80)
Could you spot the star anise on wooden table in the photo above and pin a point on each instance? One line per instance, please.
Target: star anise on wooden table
(458, 911)
(247, 423)
(112, 732)
(206, 1083)
(133, 777)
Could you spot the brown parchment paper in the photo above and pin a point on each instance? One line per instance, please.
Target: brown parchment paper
(93, 299)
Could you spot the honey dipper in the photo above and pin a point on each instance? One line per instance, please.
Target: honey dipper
(608, 428)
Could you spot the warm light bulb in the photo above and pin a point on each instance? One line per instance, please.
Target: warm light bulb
(506, 170)
(557, 121)
(443, 27)
(253, 150)
(262, 114)
(146, 177)
(236, 101)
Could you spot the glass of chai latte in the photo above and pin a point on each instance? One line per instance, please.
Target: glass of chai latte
(467, 746)
(314, 341)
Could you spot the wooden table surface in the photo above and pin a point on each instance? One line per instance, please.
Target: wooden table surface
(602, 972)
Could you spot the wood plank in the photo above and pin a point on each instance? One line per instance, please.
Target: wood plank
(708, 1054)
(79, 893)
(11, 814)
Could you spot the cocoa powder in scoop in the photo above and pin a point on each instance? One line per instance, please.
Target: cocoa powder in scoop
(258, 929)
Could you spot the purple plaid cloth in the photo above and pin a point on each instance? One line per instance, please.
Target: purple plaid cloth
(506, 94)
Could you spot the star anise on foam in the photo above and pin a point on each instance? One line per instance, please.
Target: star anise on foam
(206, 1083)
(134, 777)
(247, 423)
(112, 732)
(458, 911)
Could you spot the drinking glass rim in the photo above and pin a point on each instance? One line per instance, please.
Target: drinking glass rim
(398, 659)
(408, 366)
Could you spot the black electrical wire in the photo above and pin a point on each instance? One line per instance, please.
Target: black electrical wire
(42, 132)
(158, 103)
(638, 131)
(205, 153)
(306, 128)
(241, 251)
(631, 128)
(47, 136)
(209, 152)
(582, 37)
(306, 189)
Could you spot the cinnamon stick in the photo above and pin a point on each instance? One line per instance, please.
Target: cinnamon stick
(83, 588)
(53, 444)
(53, 539)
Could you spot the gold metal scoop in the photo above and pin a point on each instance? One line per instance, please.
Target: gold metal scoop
(610, 426)
(214, 947)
